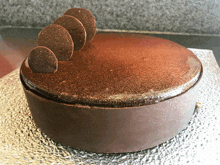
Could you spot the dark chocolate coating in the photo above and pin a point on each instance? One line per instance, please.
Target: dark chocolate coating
(87, 19)
(75, 28)
(112, 130)
(42, 60)
(57, 39)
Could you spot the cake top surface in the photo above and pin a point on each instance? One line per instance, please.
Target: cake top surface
(119, 69)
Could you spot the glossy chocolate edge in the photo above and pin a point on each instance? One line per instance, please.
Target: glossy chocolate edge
(116, 101)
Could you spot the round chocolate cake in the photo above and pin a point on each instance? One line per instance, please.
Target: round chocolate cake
(120, 92)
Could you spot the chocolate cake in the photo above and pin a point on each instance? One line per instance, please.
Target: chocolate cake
(117, 92)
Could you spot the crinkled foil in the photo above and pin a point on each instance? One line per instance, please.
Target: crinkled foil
(21, 142)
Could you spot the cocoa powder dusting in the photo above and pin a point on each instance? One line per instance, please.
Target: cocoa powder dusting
(57, 39)
(75, 29)
(87, 19)
(119, 66)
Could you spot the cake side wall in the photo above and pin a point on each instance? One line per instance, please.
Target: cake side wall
(187, 16)
(134, 129)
